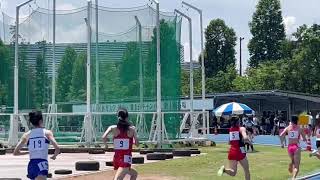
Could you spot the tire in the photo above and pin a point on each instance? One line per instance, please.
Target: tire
(10, 178)
(87, 166)
(156, 156)
(51, 151)
(109, 163)
(96, 151)
(194, 149)
(181, 153)
(138, 160)
(195, 152)
(162, 150)
(2, 152)
(49, 175)
(63, 171)
(169, 156)
(146, 151)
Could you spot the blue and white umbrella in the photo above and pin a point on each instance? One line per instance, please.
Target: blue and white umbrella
(233, 109)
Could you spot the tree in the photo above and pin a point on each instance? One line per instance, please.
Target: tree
(65, 74)
(219, 47)
(268, 32)
(185, 82)
(26, 80)
(41, 82)
(78, 82)
(5, 72)
(223, 81)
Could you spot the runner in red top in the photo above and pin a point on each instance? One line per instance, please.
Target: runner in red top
(294, 132)
(237, 151)
(124, 136)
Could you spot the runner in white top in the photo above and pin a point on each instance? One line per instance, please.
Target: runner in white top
(37, 140)
(316, 133)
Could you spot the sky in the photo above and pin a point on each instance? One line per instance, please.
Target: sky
(236, 13)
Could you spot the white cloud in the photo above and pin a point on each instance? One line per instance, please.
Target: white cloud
(4, 4)
(290, 24)
(195, 51)
(65, 6)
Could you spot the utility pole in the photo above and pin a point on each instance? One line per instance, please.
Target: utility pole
(241, 39)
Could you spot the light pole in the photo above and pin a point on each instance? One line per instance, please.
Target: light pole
(88, 117)
(240, 59)
(191, 61)
(203, 75)
(13, 134)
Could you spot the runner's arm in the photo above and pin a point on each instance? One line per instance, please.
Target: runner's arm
(284, 132)
(54, 144)
(105, 135)
(21, 143)
(243, 132)
(303, 135)
(135, 137)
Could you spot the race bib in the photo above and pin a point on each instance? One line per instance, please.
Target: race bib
(36, 144)
(282, 125)
(243, 150)
(43, 166)
(293, 134)
(121, 144)
(234, 136)
(127, 159)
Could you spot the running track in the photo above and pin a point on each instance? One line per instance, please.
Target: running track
(269, 140)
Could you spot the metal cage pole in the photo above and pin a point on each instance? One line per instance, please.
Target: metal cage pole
(140, 62)
(88, 21)
(159, 103)
(53, 93)
(4, 29)
(191, 61)
(97, 54)
(203, 75)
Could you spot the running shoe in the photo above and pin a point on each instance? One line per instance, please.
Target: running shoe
(220, 172)
(313, 153)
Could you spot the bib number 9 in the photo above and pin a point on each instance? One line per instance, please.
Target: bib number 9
(127, 159)
(121, 144)
(293, 134)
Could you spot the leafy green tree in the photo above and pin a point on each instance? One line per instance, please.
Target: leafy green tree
(5, 72)
(219, 47)
(78, 82)
(65, 74)
(26, 80)
(267, 31)
(170, 62)
(41, 82)
(223, 81)
(42, 85)
(185, 82)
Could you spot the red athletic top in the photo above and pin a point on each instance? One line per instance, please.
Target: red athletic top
(236, 140)
(237, 151)
(122, 150)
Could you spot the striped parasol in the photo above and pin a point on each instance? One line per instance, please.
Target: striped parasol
(233, 109)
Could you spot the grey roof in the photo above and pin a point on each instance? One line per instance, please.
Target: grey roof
(266, 94)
